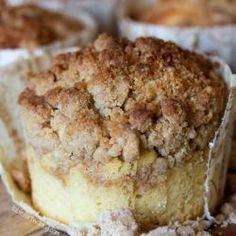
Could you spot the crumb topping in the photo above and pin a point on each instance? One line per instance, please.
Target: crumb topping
(188, 13)
(116, 98)
(30, 26)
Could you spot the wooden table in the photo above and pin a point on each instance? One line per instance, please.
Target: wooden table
(12, 224)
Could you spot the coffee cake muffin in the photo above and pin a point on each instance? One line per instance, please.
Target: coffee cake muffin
(191, 13)
(29, 26)
(122, 124)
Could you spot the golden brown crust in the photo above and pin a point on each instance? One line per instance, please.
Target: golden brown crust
(116, 98)
(30, 26)
(191, 12)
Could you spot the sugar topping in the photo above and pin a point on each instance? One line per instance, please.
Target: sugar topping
(116, 98)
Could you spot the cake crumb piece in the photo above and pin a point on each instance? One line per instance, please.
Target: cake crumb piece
(161, 231)
(118, 222)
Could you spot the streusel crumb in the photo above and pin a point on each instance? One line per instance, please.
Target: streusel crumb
(116, 98)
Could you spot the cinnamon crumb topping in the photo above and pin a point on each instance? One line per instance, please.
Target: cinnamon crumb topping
(116, 98)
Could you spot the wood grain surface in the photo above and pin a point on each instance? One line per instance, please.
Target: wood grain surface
(10, 223)
(17, 224)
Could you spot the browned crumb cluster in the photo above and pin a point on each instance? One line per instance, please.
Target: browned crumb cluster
(191, 12)
(30, 26)
(116, 98)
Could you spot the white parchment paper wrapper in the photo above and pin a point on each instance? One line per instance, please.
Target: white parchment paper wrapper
(103, 10)
(216, 40)
(12, 80)
(220, 147)
(84, 36)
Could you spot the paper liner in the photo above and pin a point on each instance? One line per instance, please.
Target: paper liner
(84, 36)
(12, 82)
(216, 40)
(220, 147)
(9, 153)
(102, 10)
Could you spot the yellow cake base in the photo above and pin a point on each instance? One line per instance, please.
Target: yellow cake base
(177, 195)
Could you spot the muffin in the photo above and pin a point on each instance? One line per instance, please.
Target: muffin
(191, 13)
(28, 26)
(122, 124)
(206, 25)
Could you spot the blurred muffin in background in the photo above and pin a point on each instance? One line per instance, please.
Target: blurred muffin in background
(29, 26)
(205, 25)
(104, 11)
(191, 13)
